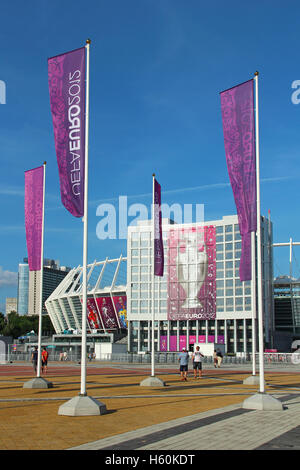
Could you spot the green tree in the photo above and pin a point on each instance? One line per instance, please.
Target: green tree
(16, 325)
(2, 323)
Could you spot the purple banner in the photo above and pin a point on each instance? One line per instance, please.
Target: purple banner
(182, 342)
(66, 76)
(107, 312)
(158, 241)
(237, 106)
(163, 343)
(173, 343)
(34, 183)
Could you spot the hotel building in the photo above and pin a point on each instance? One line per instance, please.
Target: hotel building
(200, 297)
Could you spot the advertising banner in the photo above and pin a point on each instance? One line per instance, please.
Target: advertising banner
(158, 240)
(182, 342)
(237, 106)
(173, 343)
(66, 76)
(163, 343)
(192, 273)
(120, 306)
(92, 315)
(34, 185)
(107, 312)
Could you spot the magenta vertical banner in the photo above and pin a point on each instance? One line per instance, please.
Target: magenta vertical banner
(158, 240)
(192, 273)
(92, 314)
(201, 339)
(173, 343)
(107, 312)
(163, 343)
(182, 342)
(34, 186)
(237, 106)
(192, 339)
(66, 76)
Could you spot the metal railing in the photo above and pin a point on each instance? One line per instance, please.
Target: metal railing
(160, 358)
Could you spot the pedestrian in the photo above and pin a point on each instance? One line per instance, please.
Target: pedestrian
(215, 357)
(220, 357)
(34, 358)
(45, 356)
(65, 356)
(197, 362)
(183, 362)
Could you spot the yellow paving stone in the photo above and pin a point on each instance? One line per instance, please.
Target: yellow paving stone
(36, 425)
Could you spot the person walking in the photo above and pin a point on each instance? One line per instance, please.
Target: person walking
(197, 362)
(183, 362)
(34, 358)
(220, 357)
(45, 356)
(215, 357)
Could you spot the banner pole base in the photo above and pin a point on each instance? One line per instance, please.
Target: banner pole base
(262, 402)
(38, 382)
(82, 405)
(252, 380)
(152, 381)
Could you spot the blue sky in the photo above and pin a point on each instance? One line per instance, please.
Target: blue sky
(157, 67)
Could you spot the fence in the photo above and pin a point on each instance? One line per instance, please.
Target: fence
(160, 358)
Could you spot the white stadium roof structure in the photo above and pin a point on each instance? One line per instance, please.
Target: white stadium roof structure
(106, 278)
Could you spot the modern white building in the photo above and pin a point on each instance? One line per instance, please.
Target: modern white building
(11, 305)
(53, 275)
(223, 314)
(200, 298)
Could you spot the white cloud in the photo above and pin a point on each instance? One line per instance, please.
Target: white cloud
(8, 278)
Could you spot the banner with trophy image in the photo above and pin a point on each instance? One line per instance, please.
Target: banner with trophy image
(192, 273)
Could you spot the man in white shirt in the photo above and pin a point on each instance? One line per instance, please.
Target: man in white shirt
(197, 362)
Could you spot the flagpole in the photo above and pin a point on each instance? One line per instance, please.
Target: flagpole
(253, 301)
(85, 228)
(153, 277)
(153, 381)
(261, 400)
(259, 254)
(41, 278)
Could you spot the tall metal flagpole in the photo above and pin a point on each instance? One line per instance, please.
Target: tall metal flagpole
(41, 278)
(253, 301)
(83, 405)
(153, 280)
(260, 401)
(259, 254)
(153, 381)
(85, 228)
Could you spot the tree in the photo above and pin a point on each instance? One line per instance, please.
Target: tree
(16, 325)
(2, 322)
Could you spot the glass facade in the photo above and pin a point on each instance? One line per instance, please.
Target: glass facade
(23, 285)
(232, 320)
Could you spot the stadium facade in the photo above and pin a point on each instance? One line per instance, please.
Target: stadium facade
(200, 298)
(106, 303)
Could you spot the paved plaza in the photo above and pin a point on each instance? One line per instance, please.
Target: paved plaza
(201, 414)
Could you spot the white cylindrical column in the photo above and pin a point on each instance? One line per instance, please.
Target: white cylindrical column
(38, 371)
(259, 254)
(253, 299)
(85, 230)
